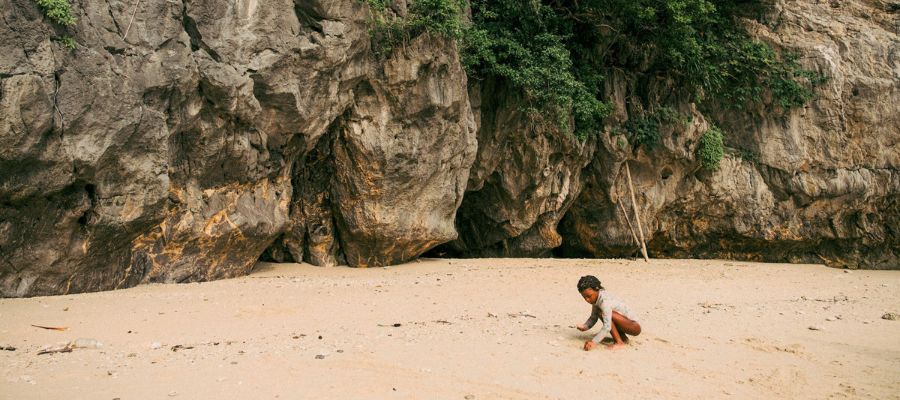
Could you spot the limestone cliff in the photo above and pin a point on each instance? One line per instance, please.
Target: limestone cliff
(177, 145)
(821, 184)
(180, 141)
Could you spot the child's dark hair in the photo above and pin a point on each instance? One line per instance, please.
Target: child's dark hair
(589, 282)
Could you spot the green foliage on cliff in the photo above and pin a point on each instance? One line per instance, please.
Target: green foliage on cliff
(747, 68)
(441, 17)
(437, 17)
(526, 44)
(711, 149)
(643, 129)
(59, 11)
(558, 52)
(68, 41)
(377, 5)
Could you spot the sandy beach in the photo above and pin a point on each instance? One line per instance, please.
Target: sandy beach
(465, 329)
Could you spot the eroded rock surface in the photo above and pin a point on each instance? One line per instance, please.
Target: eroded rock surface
(384, 186)
(181, 140)
(816, 184)
(162, 148)
(526, 175)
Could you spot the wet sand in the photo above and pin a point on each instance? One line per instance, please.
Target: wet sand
(466, 329)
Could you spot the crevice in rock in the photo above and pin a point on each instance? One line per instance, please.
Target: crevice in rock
(114, 50)
(197, 43)
(85, 217)
(164, 43)
(57, 83)
(113, 17)
(312, 235)
(308, 17)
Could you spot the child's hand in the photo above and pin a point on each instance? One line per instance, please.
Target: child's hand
(581, 327)
(589, 345)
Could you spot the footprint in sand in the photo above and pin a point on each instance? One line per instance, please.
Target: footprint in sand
(761, 345)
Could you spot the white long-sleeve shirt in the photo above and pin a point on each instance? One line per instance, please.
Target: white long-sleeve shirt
(603, 308)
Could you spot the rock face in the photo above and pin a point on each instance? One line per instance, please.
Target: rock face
(181, 140)
(525, 177)
(402, 156)
(162, 148)
(384, 186)
(821, 184)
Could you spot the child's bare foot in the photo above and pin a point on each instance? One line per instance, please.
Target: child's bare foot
(589, 345)
(616, 346)
(581, 327)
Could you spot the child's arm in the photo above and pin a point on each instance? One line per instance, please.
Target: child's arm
(595, 315)
(606, 311)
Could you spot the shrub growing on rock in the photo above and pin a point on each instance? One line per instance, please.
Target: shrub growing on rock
(559, 53)
(711, 149)
(59, 11)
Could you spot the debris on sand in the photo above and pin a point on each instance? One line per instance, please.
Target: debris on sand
(833, 299)
(890, 316)
(7, 347)
(521, 314)
(52, 328)
(85, 343)
(715, 306)
(816, 328)
(59, 348)
(81, 343)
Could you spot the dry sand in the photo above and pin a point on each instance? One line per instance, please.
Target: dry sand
(468, 329)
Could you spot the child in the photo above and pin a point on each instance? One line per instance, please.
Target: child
(617, 318)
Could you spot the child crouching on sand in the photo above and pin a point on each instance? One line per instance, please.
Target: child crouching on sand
(617, 318)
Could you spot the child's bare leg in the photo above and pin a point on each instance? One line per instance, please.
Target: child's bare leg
(622, 333)
(614, 329)
(625, 325)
